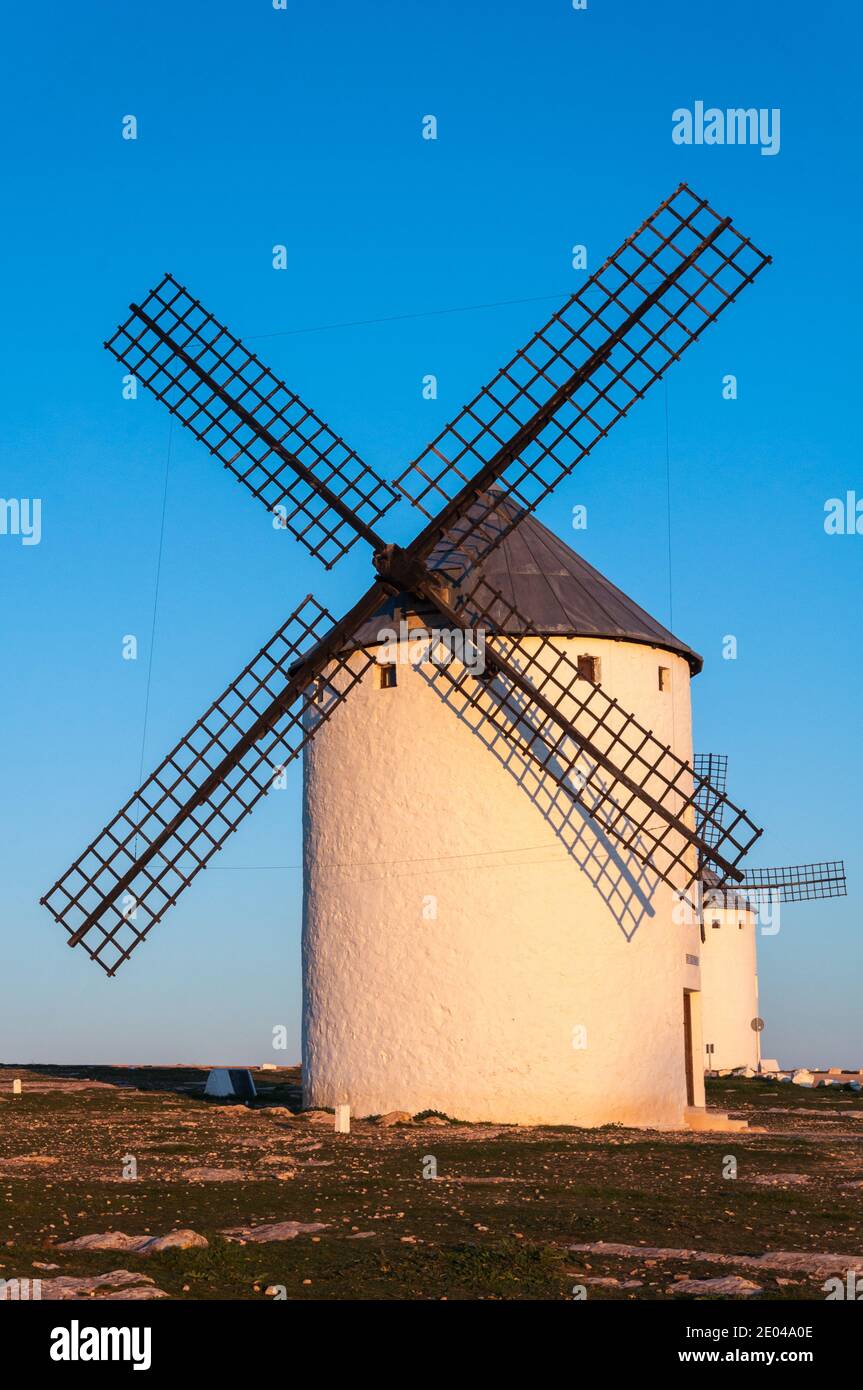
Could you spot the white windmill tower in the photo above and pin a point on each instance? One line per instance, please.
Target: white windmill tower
(573, 741)
(474, 942)
(733, 919)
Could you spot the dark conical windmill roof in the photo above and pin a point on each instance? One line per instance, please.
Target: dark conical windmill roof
(542, 577)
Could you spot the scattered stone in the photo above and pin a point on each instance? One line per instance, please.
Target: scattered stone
(786, 1261)
(803, 1078)
(275, 1230)
(780, 1179)
(482, 1182)
(730, 1285)
(361, 1235)
(394, 1117)
(433, 1120)
(141, 1245)
(25, 1160)
(44, 1264)
(316, 1117)
(607, 1282)
(214, 1175)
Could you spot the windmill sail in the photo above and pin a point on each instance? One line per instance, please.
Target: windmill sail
(270, 440)
(584, 370)
(123, 883)
(798, 882)
(712, 768)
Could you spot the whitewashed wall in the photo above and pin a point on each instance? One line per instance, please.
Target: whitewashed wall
(729, 984)
(461, 925)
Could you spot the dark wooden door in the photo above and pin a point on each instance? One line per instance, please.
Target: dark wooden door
(687, 1046)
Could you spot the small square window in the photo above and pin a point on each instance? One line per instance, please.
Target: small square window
(588, 667)
(715, 923)
(664, 678)
(387, 676)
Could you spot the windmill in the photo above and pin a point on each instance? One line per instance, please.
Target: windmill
(476, 484)
(789, 884)
(729, 974)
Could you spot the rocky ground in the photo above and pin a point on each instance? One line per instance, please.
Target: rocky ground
(270, 1203)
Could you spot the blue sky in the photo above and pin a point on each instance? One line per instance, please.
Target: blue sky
(303, 127)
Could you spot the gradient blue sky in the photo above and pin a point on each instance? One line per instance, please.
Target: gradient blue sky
(302, 127)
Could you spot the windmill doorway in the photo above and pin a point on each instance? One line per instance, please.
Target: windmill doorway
(687, 1047)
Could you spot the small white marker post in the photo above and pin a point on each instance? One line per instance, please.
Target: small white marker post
(343, 1119)
(16, 1086)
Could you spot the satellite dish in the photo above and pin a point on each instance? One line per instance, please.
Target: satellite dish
(757, 1025)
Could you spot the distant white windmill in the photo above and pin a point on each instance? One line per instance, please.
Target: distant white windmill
(733, 918)
(444, 967)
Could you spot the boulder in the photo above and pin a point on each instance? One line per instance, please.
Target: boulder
(394, 1117)
(728, 1285)
(606, 1281)
(275, 1230)
(120, 1283)
(803, 1077)
(139, 1245)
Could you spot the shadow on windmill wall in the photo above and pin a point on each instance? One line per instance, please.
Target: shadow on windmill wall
(623, 882)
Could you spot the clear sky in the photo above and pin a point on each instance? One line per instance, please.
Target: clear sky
(406, 256)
